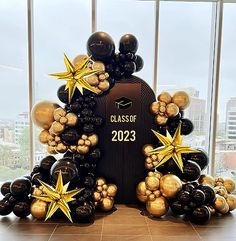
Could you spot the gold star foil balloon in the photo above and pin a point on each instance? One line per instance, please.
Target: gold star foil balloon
(76, 76)
(172, 148)
(58, 197)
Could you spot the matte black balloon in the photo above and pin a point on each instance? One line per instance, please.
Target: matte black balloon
(139, 63)
(101, 46)
(85, 195)
(95, 154)
(88, 128)
(109, 68)
(186, 127)
(118, 73)
(20, 186)
(74, 107)
(177, 208)
(200, 215)
(128, 43)
(184, 197)
(46, 163)
(131, 56)
(129, 68)
(87, 112)
(89, 181)
(70, 136)
(22, 209)
(69, 171)
(12, 200)
(7, 196)
(200, 158)
(198, 197)
(209, 192)
(36, 169)
(63, 95)
(36, 177)
(171, 167)
(191, 171)
(5, 188)
(5, 207)
(189, 187)
(84, 214)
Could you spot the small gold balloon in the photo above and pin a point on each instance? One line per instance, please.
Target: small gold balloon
(219, 203)
(36, 191)
(231, 200)
(181, 99)
(43, 136)
(39, 209)
(212, 210)
(100, 181)
(72, 119)
(146, 149)
(142, 198)
(104, 193)
(152, 183)
(58, 113)
(141, 189)
(151, 197)
(225, 209)
(51, 150)
(158, 207)
(106, 204)
(42, 114)
(93, 80)
(157, 193)
(172, 110)
(57, 128)
(158, 174)
(98, 66)
(105, 187)
(73, 148)
(63, 120)
(83, 149)
(229, 184)
(78, 59)
(206, 179)
(221, 190)
(160, 119)
(155, 107)
(112, 190)
(148, 166)
(170, 185)
(93, 139)
(165, 97)
(61, 148)
(104, 85)
(87, 143)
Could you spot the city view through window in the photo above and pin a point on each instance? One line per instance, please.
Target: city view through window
(183, 63)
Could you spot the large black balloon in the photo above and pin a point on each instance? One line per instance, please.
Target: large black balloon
(100, 46)
(5, 207)
(70, 136)
(139, 63)
(5, 188)
(128, 43)
(200, 215)
(20, 186)
(46, 163)
(200, 158)
(68, 169)
(198, 197)
(177, 208)
(191, 171)
(22, 209)
(186, 127)
(209, 193)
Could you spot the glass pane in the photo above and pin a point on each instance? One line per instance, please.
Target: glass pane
(130, 16)
(60, 26)
(183, 64)
(226, 131)
(14, 121)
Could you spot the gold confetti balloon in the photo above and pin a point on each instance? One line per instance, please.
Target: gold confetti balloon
(106, 204)
(207, 179)
(39, 209)
(229, 184)
(42, 114)
(158, 207)
(231, 200)
(164, 97)
(181, 99)
(170, 185)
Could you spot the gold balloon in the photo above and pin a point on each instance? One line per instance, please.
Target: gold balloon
(93, 139)
(42, 114)
(207, 179)
(112, 190)
(100, 181)
(141, 189)
(151, 197)
(83, 149)
(106, 204)
(152, 183)
(231, 200)
(157, 193)
(51, 150)
(164, 97)
(99, 66)
(170, 185)
(212, 210)
(61, 148)
(39, 209)
(36, 191)
(229, 184)
(57, 128)
(219, 203)
(96, 196)
(104, 193)
(146, 149)
(158, 207)
(181, 99)
(172, 110)
(43, 136)
(72, 119)
(160, 119)
(78, 59)
(225, 209)
(142, 198)
(221, 190)
(58, 113)
(155, 107)
(104, 85)
(93, 80)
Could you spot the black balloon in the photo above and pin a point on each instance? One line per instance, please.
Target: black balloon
(191, 171)
(85, 213)
(68, 168)
(5, 207)
(128, 43)
(177, 208)
(88, 128)
(20, 186)
(70, 136)
(209, 193)
(189, 187)
(139, 63)
(184, 197)
(186, 127)
(200, 215)
(200, 158)
(22, 209)
(198, 197)
(95, 154)
(35, 170)
(36, 177)
(5, 188)
(84, 195)
(100, 46)
(63, 95)
(129, 68)
(46, 163)
(89, 181)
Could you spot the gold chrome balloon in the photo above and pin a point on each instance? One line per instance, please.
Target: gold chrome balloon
(79, 59)
(155, 107)
(158, 207)
(142, 198)
(229, 184)
(152, 183)
(225, 209)
(98, 66)
(219, 203)
(39, 209)
(206, 179)
(170, 185)
(106, 204)
(164, 97)
(181, 99)
(42, 114)
(101, 181)
(147, 148)
(104, 85)
(43, 136)
(160, 119)
(172, 110)
(72, 119)
(141, 189)
(111, 190)
(231, 200)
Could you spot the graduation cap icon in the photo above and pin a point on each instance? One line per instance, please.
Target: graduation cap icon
(123, 103)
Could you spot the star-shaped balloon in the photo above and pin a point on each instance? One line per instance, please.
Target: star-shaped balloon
(76, 76)
(58, 197)
(172, 148)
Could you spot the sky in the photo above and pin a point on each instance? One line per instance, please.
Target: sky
(63, 26)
